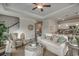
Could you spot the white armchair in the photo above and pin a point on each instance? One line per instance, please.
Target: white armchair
(14, 37)
(22, 37)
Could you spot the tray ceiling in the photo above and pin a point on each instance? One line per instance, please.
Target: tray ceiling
(28, 7)
(56, 9)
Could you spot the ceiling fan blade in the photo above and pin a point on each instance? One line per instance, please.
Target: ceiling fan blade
(46, 5)
(41, 9)
(34, 8)
(35, 3)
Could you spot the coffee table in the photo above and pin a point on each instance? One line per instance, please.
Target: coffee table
(33, 50)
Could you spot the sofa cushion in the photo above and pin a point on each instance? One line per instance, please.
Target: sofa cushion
(55, 38)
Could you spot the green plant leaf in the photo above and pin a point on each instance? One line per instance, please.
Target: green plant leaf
(3, 37)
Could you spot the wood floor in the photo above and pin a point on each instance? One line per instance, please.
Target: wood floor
(20, 52)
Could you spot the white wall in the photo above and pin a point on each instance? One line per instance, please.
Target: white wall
(24, 22)
(49, 26)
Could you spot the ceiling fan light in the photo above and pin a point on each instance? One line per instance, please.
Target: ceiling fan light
(39, 6)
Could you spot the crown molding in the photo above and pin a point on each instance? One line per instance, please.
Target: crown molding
(60, 10)
(35, 16)
(24, 13)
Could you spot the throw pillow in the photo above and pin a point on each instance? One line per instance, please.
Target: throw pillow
(61, 40)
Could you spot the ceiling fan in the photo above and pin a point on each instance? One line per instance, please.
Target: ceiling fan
(40, 6)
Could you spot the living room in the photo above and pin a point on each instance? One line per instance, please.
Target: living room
(39, 29)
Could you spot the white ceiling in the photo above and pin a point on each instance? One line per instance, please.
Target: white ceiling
(28, 7)
(57, 10)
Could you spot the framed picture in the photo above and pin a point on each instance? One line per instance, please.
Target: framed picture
(30, 27)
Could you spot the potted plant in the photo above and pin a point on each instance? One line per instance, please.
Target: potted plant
(77, 39)
(3, 37)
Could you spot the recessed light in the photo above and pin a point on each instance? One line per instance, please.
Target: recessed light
(39, 6)
(63, 19)
(66, 24)
(58, 18)
(77, 24)
(59, 25)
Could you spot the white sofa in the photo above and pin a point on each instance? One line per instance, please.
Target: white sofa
(56, 48)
